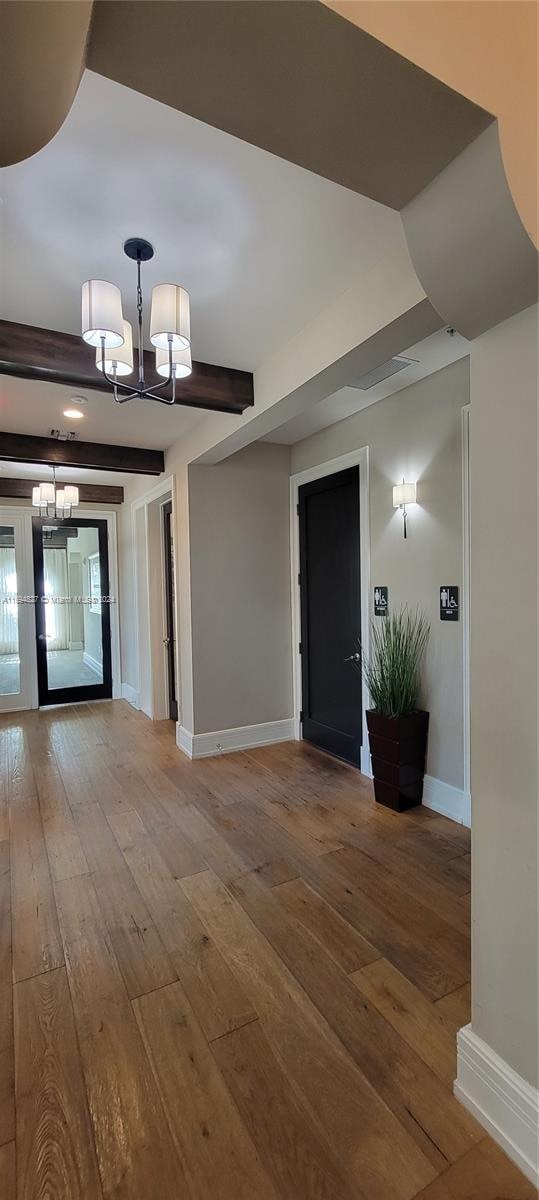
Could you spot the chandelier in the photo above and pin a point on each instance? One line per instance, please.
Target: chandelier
(103, 326)
(52, 501)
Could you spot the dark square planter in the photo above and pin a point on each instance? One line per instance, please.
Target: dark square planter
(398, 748)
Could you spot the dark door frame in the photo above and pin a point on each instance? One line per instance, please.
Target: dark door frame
(356, 458)
(71, 695)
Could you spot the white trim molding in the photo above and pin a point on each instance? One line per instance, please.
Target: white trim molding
(149, 604)
(224, 741)
(465, 607)
(503, 1103)
(129, 694)
(445, 799)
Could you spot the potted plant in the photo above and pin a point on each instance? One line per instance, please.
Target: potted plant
(397, 727)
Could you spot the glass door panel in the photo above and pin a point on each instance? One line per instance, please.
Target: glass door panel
(10, 663)
(72, 612)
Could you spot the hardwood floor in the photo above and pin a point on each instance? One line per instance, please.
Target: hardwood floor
(232, 979)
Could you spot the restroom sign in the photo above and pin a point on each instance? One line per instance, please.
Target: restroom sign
(449, 602)
(381, 601)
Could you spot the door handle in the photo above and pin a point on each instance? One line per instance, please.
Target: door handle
(355, 657)
(166, 641)
(42, 637)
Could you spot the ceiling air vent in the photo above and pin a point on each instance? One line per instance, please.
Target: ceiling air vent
(384, 371)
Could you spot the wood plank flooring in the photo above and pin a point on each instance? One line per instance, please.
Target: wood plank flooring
(233, 979)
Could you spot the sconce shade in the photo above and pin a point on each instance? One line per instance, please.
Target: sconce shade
(404, 493)
(170, 317)
(120, 358)
(181, 363)
(102, 313)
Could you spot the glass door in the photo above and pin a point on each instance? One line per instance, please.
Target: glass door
(72, 610)
(17, 666)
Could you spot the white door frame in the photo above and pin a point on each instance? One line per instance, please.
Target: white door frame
(466, 563)
(154, 701)
(26, 697)
(22, 515)
(356, 458)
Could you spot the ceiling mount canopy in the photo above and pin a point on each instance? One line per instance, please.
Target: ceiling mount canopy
(104, 327)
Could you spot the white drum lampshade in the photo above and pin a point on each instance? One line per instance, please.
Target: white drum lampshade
(102, 313)
(181, 363)
(36, 497)
(170, 317)
(46, 493)
(119, 359)
(71, 495)
(60, 499)
(404, 493)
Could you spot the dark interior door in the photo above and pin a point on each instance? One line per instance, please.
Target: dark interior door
(170, 639)
(331, 614)
(71, 572)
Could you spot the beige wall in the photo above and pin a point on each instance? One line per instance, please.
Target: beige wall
(416, 433)
(504, 729)
(240, 589)
(484, 49)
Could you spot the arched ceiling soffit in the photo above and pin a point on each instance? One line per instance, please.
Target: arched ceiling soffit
(43, 51)
(294, 78)
(303, 83)
(299, 81)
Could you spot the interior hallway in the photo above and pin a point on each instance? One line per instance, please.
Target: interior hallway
(233, 979)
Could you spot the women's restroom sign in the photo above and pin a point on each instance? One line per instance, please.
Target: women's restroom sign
(449, 602)
(381, 601)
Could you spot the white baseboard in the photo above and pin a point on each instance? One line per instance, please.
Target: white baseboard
(365, 761)
(129, 694)
(503, 1103)
(92, 663)
(75, 645)
(447, 800)
(441, 797)
(224, 741)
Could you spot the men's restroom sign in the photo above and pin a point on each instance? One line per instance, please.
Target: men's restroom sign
(449, 602)
(381, 601)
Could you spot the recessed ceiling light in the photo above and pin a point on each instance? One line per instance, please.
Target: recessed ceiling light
(74, 414)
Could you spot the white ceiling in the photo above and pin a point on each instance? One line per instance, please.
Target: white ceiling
(30, 406)
(261, 244)
(17, 470)
(431, 354)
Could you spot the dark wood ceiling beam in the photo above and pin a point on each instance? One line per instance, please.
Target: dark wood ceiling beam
(23, 447)
(89, 493)
(33, 353)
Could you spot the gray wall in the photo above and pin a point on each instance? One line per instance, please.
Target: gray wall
(504, 690)
(416, 433)
(240, 589)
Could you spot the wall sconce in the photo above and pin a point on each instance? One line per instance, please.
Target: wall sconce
(403, 494)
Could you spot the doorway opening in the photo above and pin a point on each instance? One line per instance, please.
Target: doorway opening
(330, 594)
(72, 613)
(330, 613)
